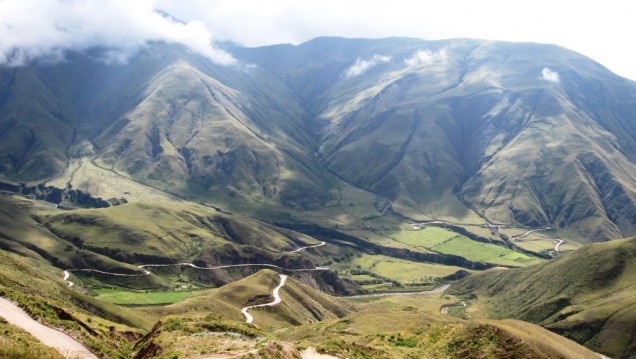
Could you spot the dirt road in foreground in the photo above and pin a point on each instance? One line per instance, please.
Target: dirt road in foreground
(63, 343)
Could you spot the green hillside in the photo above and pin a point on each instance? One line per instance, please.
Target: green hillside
(35, 286)
(179, 232)
(587, 295)
(211, 322)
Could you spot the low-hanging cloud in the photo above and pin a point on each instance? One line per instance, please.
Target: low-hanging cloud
(549, 75)
(361, 66)
(47, 29)
(426, 57)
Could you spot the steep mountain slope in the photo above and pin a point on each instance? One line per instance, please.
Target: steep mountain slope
(168, 118)
(518, 133)
(523, 133)
(587, 295)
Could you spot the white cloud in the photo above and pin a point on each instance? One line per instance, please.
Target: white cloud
(46, 29)
(567, 23)
(361, 66)
(258, 22)
(426, 57)
(550, 75)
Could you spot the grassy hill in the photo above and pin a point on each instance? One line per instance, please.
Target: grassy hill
(587, 295)
(301, 304)
(21, 233)
(139, 232)
(17, 343)
(106, 329)
(406, 331)
(211, 323)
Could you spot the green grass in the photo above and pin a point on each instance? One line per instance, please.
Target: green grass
(587, 295)
(301, 304)
(425, 238)
(484, 252)
(362, 277)
(124, 297)
(136, 232)
(18, 344)
(537, 246)
(38, 289)
(404, 271)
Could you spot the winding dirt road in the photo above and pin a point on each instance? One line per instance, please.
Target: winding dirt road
(514, 238)
(558, 245)
(444, 308)
(66, 273)
(277, 300)
(56, 339)
(305, 248)
(311, 353)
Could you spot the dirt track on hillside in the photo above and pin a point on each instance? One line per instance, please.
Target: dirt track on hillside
(61, 341)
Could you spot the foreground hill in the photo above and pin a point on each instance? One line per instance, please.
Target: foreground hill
(35, 286)
(211, 322)
(518, 133)
(587, 295)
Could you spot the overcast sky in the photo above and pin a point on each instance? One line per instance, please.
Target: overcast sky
(30, 29)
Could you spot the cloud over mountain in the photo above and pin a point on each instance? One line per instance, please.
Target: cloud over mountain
(549, 75)
(361, 66)
(426, 57)
(47, 29)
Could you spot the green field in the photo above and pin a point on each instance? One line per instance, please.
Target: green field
(362, 277)
(484, 252)
(538, 245)
(124, 297)
(421, 239)
(405, 272)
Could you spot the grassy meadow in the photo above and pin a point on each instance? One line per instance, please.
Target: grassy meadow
(484, 252)
(401, 270)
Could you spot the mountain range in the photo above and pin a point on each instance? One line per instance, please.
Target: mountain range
(517, 133)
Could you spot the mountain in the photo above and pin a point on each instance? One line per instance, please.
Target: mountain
(587, 296)
(522, 134)
(423, 121)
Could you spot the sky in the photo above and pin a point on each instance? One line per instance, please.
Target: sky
(45, 29)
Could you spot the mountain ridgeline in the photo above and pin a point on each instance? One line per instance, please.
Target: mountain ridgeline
(518, 133)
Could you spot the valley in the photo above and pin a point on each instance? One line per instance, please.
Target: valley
(447, 202)
(374, 265)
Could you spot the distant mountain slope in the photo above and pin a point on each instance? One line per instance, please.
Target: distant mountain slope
(525, 133)
(519, 133)
(168, 118)
(587, 295)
